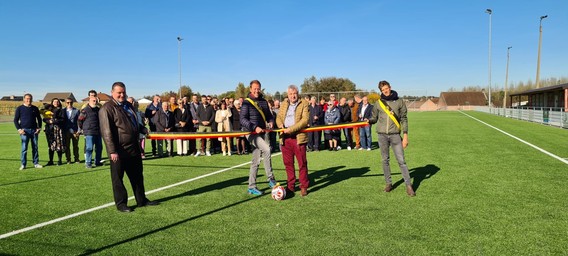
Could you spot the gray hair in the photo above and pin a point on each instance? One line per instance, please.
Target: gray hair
(293, 87)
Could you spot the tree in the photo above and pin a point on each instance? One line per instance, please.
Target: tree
(277, 96)
(310, 85)
(241, 91)
(186, 92)
(327, 84)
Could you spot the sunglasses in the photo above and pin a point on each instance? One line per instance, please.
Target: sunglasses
(68, 102)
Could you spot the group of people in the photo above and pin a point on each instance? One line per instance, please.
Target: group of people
(122, 127)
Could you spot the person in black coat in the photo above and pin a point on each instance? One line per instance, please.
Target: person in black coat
(183, 123)
(165, 122)
(345, 112)
(316, 119)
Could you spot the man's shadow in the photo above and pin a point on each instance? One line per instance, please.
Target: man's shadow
(418, 175)
(333, 175)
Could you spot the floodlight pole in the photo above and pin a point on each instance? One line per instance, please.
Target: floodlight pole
(489, 11)
(179, 63)
(506, 78)
(538, 59)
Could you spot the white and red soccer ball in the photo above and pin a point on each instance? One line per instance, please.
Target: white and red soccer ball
(278, 193)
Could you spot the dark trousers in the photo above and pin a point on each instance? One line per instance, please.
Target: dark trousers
(348, 140)
(291, 149)
(133, 167)
(314, 140)
(69, 137)
(153, 129)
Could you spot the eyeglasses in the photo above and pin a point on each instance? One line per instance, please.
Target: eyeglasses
(68, 102)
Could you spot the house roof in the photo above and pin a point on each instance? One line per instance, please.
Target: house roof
(102, 97)
(542, 89)
(463, 98)
(60, 95)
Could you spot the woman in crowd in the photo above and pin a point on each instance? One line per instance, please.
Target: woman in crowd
(54, 124)
(183, 122)
(224, 125)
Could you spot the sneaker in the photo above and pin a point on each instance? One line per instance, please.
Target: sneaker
(338, 148)
(272, 183)
(360, 149)
(348, 148)
(196, 154)
(38, 166)
(207, 153)
(254, 191)
(22, 167)
(229, 153)
(224, 153)
(88, 166)
(368, 149)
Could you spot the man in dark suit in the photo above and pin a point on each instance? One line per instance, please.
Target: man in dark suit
(316, 119)
(164, 121)
(120, 130)
(71, 131)
(365, 113)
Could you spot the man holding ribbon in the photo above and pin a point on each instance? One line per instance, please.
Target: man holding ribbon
(120, 131)
(256, 117)
(390, 115)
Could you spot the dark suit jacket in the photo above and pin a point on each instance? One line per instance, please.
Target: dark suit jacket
(183, 117)
(368, 111)
(163, 120)
(71, 122)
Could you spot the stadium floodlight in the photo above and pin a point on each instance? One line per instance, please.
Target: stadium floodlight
(179, 63)
(489, 11)
(538, 58)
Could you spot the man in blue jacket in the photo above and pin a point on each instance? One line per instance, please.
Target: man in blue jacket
(256, 117)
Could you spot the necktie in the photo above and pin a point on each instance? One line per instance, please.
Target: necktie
(130, 115)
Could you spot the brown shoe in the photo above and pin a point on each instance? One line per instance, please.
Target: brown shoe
(388, 187)
(410, 191)
(304, 192)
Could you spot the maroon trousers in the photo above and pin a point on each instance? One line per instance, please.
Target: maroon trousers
(289, 150)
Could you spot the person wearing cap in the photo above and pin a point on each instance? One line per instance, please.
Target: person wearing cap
(292, 118)
(390, 115)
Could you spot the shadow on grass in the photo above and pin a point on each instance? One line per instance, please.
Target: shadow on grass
(219, 185)
(327, 177)
(55, 177)
(418, 175)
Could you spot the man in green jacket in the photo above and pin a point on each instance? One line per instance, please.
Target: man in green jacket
(390, 115)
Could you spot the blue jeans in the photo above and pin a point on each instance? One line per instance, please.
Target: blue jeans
(365, 135)
(29, 134)
(93, 141)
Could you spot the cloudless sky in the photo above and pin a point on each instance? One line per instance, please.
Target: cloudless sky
(420, 47)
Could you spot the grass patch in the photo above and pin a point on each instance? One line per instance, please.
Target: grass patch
(478, 192)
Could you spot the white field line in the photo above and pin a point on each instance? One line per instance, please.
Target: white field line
(521, 140)
(43, 224)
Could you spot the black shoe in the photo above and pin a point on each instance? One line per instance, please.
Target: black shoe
(59, 163)
(150, 203)
(124, 209)
(49, 163)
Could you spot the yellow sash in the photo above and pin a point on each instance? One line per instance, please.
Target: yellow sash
(389, 113)
(257, 108)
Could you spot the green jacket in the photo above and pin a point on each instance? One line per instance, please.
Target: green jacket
(384, 123)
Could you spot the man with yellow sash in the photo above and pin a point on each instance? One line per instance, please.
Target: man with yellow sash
(390, 115)
(256, 118)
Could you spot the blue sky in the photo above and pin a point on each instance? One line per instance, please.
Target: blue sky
(420, 47)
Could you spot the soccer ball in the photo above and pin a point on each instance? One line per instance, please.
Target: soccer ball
(278, 193)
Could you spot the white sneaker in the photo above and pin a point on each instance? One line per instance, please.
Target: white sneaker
(22, 167)
(338, 148)
(360, 148)
(196, 154)
(207, 153)
(369, 149)
(224, 154)
(229, 153)
(38, 166)
(348, 148)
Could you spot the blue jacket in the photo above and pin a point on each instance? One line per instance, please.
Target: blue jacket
(251, 118)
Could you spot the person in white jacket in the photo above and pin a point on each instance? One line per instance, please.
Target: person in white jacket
(224, 125)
